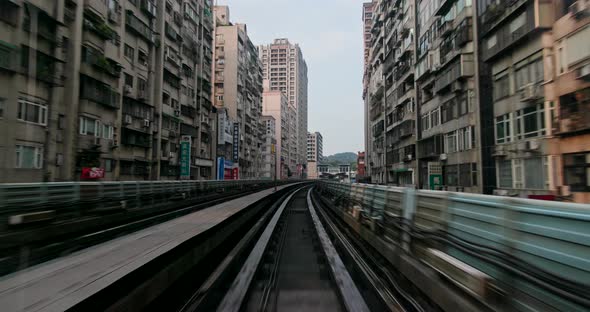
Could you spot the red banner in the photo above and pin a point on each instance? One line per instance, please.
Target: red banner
(92, 173)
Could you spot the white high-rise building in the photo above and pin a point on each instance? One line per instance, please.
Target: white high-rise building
(285, 68)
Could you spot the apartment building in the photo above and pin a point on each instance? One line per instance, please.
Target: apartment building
(375, 95)
(501, 96)
(400, 94)
(448, 149)
(238, 87)
(571, 97)
(99, 90)
(286, 69)
(367, 19)
(269, 149)
(276, 104)
(315, 152)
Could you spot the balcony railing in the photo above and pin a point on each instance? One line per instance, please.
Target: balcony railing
(106, 65)
(99, 92)
(462, 68)
(136, 25)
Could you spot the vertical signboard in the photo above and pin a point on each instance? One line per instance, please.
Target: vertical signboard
(221, 127)
(185, 157)
(236, 145)
(220, 168)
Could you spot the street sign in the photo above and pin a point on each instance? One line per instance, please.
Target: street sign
(185, 157)
(435, 181)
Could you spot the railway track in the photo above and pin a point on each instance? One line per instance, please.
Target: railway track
(297, 258)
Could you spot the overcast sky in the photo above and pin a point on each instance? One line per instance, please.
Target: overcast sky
(330, 35)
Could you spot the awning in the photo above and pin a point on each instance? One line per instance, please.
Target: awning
(8, 45)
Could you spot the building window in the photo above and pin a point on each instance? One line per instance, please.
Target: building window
(425, 122)
(142, 57)
(107, 132)
(109, 165)
(435, 117)
(129, 80)
(451, 142)
(503, 129)
(129, 52)
(29, 157)
(535, 173)
(501, 86)
(529, 72)
(32, 112)
(525, 173)
(504, 173)
(530, 122)
(89, 126)
(577, 171)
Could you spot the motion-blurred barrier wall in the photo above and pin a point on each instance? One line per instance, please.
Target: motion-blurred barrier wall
(538, 252)
(22, 202)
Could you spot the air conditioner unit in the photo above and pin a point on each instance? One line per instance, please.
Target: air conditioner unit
(128, 90)
(176, 113)
(112, 143)
(457, 86)
(172, 134)
(579, 9)
(172, 155)
(528, 92)
(532, 145)
(443, 156)
(408, 157)
(127, 119)
(583, 72)
(146, 123)
(501, 192)
(522, 146)
(499, 151)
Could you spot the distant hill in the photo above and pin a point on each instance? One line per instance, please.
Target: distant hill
(339, 159)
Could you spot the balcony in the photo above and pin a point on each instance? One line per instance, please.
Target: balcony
(95, 58)
(574, 114)
(504, 38)
(188, 111)
(496, 12)
(460, 69)
(445, 28)
(135, 138)
(8, 56)
(97, 25)
(171, 33)
(99, 92)
(46, 69)
(149, 7)
(98, 6)
(134, 24)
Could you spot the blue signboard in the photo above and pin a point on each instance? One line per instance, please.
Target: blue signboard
(185, 157)
(220, 168)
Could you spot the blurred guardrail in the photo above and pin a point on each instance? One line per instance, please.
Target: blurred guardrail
(22, 203)
(535, 253)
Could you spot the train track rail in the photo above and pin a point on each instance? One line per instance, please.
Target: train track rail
(299, 257)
